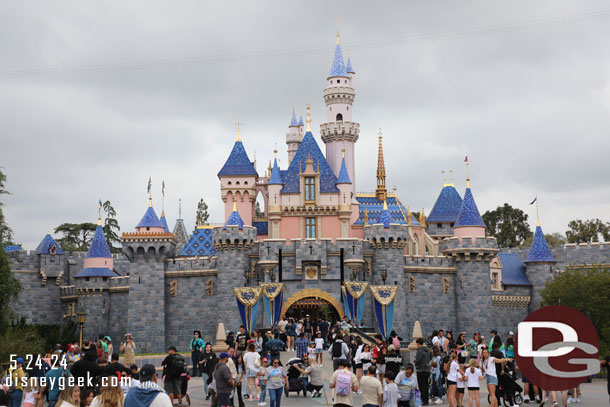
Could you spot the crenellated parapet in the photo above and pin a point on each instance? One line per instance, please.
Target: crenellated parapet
(467, 248)
(234, 238)
(396, 236)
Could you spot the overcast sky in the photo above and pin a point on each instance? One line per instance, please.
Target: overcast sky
(97, 97)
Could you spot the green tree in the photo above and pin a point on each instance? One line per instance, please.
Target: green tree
(587, 290)
(111, 227)
(259, 213)
(592, 230)
(553, 239)
(76, 236)
(508, 225)
(202, 213)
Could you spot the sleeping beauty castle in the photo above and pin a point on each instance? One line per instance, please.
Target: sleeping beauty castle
(321, 248)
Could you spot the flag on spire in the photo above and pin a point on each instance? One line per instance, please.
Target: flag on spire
(534, 201)
(149, 184)
(466, 159)
(163, 187)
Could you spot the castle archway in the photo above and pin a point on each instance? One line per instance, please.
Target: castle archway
(314, 300)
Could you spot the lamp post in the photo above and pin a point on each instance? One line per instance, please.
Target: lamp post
(383, 272)
(81, 317)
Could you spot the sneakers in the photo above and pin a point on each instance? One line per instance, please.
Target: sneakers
(578, 399)
(555, 404)
(258, 397)
(250, 398)
(262, 403)
(438, 401)
(571, 400)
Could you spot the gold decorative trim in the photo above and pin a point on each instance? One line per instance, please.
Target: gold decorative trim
(313, 292)
(430, 269)
(68, 298)
(191, 273)
(25, 271)
(511, 300)
(119, 289)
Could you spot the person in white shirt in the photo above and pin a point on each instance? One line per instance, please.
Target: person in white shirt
(252, 360)
(461, 387)
(391, 396)
(488, 364)
(319, 348)
(339, 351)
(473, 375)
(452, 378)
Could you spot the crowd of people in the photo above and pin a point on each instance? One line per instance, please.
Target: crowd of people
(444, 368)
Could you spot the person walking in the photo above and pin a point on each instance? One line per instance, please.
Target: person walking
(282, 327)
(147, 393)
(291, 333)
(422, 367)
(128, 348)
(488, 367)
(436, 390)
(196, 347)
(17, 374)
(393, 360)
(319, 349)
(461, 348)
(323, 327)
(273, 346)
(371, 388)
(406, 381)
(252, 360)
(339, 351)
(276, 380)
(301, 345)
(207, 362)
(344, 383)
(472, 346)
(452, 378)
(260, 376)
(473, 376)
(391, 396)
(242, 339)
(223, 379)
(173, 367)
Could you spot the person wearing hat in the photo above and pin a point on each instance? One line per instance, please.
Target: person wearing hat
(16, 375)
(423, 356)
(147, 393)
(196, 346)
(129, 349)
(224, 380)
(173, 367)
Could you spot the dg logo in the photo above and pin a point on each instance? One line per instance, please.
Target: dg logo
(557, 348)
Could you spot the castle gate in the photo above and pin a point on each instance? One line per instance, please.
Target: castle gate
(313, 302)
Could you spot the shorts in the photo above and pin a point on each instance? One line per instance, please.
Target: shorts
(473, 388)
(224, 399)
(319, 350)
(358, 365)
(173, 386)
(524, 379)
(491, 379)
(250, 373)
(451, 383)
(461, 390)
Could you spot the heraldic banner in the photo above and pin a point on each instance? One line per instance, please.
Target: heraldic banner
(247, 304)
(383, 300)
(353, 299)
(273, 299)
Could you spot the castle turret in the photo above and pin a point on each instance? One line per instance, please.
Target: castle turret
(444, 213)
(469, 222)
(381, 192)
(340, 132)
(180, 230)
(294, 136)
(51, 259)
(98, 261)
(539, 264)
(274, 211)
(345, 199)
(238, 180)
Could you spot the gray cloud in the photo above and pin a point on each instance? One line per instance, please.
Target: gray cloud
(94, 99)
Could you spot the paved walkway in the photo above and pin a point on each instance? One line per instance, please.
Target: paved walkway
(593, 394)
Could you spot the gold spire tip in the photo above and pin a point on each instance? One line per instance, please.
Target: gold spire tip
(537, 215)
(308, 117)
(238, 131)
(99, 221)
(385, 205)
(234, 204)
(150, 202)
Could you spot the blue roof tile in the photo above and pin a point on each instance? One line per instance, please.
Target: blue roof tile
(301, 121)
(293, 121)
(374, 207)
(308, 147)
(46, 244)
(447, 206)
(262, 228)
(513, 269)
(385, 218)
(349, 68)
(539, 250)
(235, 220)
(338, 68)
(469, 213)
(200, 244)
(164, 223)
(150, 219)
(96, 272)
(238, 162)
(276, 177)
(12, 248)
(99, 247)
(343, 175)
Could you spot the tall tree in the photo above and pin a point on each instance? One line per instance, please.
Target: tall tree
(202, 213)
(111, 227)
(76, 236)
(587, 290)
(259, 212)
(508, 225)
(592, 230)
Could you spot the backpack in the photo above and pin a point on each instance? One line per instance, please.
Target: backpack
(446, 361)
(177, 367)
(342, 386)
(337, 349)
(396, 342)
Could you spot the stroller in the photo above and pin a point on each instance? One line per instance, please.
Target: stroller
(295, 380)
(512, 388)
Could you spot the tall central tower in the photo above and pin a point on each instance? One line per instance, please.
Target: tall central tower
(340, 131)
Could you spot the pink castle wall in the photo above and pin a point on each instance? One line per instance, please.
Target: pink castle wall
(331, 227)
(289, 227)
(469, 231)
(151, 230)
(99, 262)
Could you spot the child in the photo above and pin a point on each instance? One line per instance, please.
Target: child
(259, 377)
(319, 348)
(461, 384)
(30, 393)
(365, 357)
(390, 391)
(473, 375)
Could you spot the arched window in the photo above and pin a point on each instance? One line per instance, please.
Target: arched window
(339, 117)
(229, 183)
(245, 182)
(237, 183)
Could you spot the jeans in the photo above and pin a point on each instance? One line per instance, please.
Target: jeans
(422, 380)
(15, 398)
(275, 396)
(52, 403)
(263, 393)
(205, 382)
(195, 359)
(224, 399)
(437, 386)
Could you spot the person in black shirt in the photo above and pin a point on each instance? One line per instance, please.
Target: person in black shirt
(115, 368)
(393, 361)
(242, 339)
(500, 371)
(86, 367)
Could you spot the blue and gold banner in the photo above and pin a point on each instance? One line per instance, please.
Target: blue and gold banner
(273, 298)
(383, 300)
(247, 304)
(353, 294)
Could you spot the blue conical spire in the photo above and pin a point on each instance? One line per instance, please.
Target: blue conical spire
(386, 216)
(343, 175)
(539, 250)
(469, 213)
(164, 222)
(275, 178)
(48, 245)
(349, 68)
(338, 68)
(293, 121)
(234, 218)
(150, 218)
(301, 121)
(99, 247)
